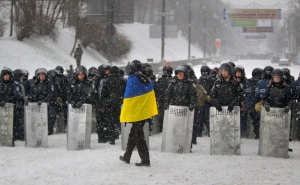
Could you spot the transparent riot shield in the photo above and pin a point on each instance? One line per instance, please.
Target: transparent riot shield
(177, 130)
(274, 133)
(125, 131)
(225, 134)
(6, 124)
(249, 128)
(59, 126)
(94, 121)
(79, 127)
(36, 125)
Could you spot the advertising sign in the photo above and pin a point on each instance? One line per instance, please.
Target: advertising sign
(257, 29)
(252, 14)
(255, 37)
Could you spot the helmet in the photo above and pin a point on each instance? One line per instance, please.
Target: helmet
(41, 70)
(80, 69)
(92, 71)
(190, 71)
(135, 66)
(286, 72)
(52, 74)
(241, 69)
(256, 72)
(148, 72)
(232, 64)
(121, 72)
(277, 72)
(167, 70)
(205, 70)
(26, 74)
(144, 65)
(60, 70)
(226, 67)
(6, 70)
(18, 73)
(213, 73)
(102, 68)
(114, 70)
(268, 72)
(180, 68)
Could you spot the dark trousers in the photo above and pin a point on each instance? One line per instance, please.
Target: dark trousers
(52, 111)
(199, 120)
(161, 113)
(255, 121)
(137, 139)
(18, 123)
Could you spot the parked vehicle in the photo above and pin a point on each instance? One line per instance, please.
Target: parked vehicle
(284, 62)
(275, 59)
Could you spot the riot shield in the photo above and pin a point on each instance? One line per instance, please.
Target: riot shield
(36, 125)
(6, 124)
(225, 134)
(177, 130)
(94, 121)
(79, 127)
(125, 131)
(274, 133)
(59, 126)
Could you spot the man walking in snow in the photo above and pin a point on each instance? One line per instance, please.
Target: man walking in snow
(78, 54)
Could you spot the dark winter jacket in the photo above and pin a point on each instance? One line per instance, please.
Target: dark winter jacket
(12, 92)
(45, 91)
(245, 94)
(225, 93)
(296, 90)
(112, 94)
(93, 98)
(278, 95)
(261, 88)
(181, 93)
(253, 83)
(63, 85)
(207, 82)
(161, 85)
(79, 93)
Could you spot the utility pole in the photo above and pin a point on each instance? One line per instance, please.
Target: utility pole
(163, 30)
(190, 28)
(109, 28)
(204, 31)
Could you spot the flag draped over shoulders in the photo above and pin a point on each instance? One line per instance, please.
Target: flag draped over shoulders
(139, 101)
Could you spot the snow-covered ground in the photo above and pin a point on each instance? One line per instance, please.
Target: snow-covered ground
(100, 165)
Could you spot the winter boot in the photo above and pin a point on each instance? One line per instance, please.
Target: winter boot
(123, 159)
(143, 164)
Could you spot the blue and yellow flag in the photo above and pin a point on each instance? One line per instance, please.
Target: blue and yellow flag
(139, 101)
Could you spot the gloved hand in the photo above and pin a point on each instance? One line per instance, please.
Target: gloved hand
(286, 109)
(230, 108)
(219, 108)
(2, 103)
(40, 103)
(267, 107)
(74, 105)
(191, 108)
(26, 102)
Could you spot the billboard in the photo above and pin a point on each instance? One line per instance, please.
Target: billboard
(257, 29)
(256, 37)
(252, 14)
(123, 10)
(251, 23)
(171, 31)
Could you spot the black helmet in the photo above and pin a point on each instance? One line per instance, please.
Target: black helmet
(205, 71)
(114, 70)
(41, 71)
(213, 73)
(256, 72)
(102, 68)
(92, 71)
(268, 72)
(227, 67)
(18, 73)
(286, 72)
(241, 69)
(232, 64)
(6, 70)
(52, 74)
(144, 65)
(167, 70)
(80, 69)
(148, 72)
(26, 74)
(277, 72)
(180, 68)
(135, 66)
(121, 72)
(60, 70)
(190, 71)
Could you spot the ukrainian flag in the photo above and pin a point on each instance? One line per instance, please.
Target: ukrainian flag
(139, 101)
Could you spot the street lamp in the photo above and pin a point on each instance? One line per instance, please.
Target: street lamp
(204, 8)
